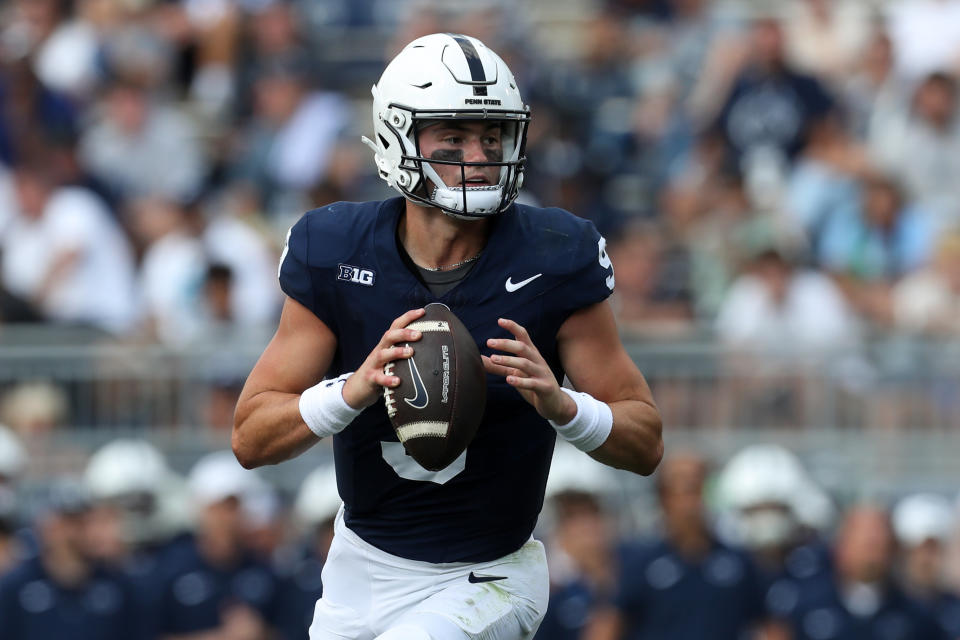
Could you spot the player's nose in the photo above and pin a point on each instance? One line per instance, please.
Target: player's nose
(473, 151)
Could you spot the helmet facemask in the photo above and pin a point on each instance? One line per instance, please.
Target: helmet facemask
(425, 186)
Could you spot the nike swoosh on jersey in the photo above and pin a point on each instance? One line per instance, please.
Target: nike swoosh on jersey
(475, 579)
(513, 286)
(419, 399)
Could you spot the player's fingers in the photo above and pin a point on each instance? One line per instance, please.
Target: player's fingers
(512, 346)
(517, 348)
(385, 379)
(394, 353)
(495, 369)
(393, 336)
(519, 332)
(520, 382)
(520, 364)
(500, 370)
(407, 318)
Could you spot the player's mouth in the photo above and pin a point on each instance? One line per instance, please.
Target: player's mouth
(476, 181)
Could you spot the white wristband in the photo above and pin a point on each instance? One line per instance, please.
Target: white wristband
(323, 408)
(591, 426)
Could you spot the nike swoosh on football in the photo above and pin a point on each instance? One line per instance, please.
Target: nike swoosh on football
(419, 399)
(513, 286)
(475, 579)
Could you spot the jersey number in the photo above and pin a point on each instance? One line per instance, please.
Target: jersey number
(605, 261)
(407, 468)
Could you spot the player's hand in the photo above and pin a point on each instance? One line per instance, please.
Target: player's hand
(366, 384)
(529, 373)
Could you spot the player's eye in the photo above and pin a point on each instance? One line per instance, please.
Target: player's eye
(491, 140)
(453, 140)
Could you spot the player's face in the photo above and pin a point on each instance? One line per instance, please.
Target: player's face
(464, 141)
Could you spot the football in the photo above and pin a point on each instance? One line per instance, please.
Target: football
(439, 403)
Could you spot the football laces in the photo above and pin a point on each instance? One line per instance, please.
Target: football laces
(388, 398)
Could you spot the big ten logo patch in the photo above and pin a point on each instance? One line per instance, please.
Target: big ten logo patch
(356, 275)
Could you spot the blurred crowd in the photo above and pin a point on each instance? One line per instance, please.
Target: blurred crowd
(751, 547)
(779, 175)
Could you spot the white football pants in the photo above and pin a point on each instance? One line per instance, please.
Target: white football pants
(369, 594)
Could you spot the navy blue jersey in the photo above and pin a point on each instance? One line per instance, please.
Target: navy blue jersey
(539, 266)
(33, 605)
(300, 588)
(807, 569)
(568, 611)
(195, 593)
(945, 609)
(822, 615)
(664, 595)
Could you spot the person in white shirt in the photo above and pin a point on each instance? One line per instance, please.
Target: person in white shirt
(65, 253)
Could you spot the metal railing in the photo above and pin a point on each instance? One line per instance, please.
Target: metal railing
(893, 405)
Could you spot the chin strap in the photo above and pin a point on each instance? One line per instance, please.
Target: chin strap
(479, 200)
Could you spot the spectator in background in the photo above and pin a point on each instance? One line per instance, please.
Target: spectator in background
(776, 307)
(863, 601)
(686, 584)
(825, 38)
(873, 243)
(653, 295)
(232, 240)
(32, 115)
(781, 326)
(922, 148)
(582, 545)
(66, 255)
(927, 302)
(288, 145)
(274, 31)
(215, 585)
(138, 509)
(172, 268)
(34, 409)
(874, 95)
(924, 524)
(314, 510)
(824, 179)
(717, 220)
(13, 461)
(767, 115)
(926, 35)
(69, 59)
(61, 593)
(769, 504)
(138, 145)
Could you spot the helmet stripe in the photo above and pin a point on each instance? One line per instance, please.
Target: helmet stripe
(473, 58)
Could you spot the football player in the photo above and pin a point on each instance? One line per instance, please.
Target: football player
(448, 555)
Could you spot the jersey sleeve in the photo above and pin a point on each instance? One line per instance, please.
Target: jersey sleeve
(590, 279)
(301, 280)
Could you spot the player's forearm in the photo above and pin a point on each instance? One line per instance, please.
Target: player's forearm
(636, 442)
(268, 429)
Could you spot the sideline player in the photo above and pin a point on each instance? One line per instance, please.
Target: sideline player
(447, 555)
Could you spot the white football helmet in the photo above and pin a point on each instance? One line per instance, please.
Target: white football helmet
(133, 475)
(447, 77)
(317, 500)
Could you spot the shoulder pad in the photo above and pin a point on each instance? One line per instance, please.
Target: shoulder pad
(570, 248)
(320, 240)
